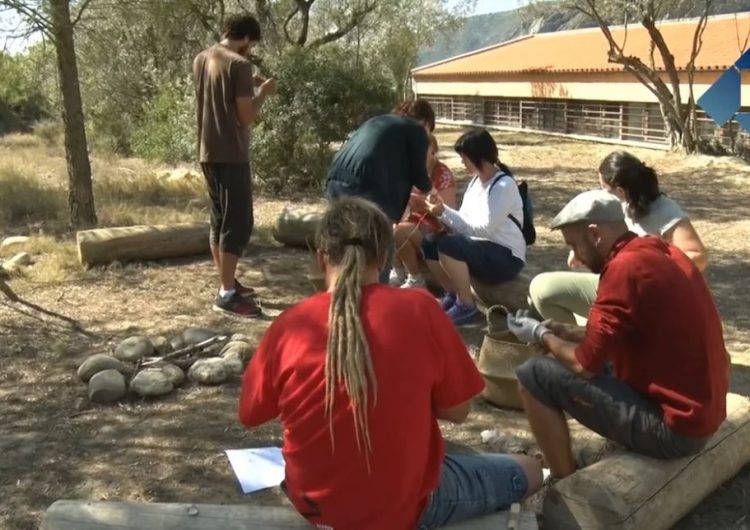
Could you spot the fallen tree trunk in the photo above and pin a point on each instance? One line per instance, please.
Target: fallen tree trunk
(141, 243)
(297, 224)
(626, 491)
(93, 515)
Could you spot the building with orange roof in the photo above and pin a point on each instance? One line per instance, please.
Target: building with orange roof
(563, 83)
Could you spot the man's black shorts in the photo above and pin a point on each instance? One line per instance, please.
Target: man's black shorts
(230, 189)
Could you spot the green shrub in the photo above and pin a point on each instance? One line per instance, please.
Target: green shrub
(22, 96)
(167, 130)
(323, 95)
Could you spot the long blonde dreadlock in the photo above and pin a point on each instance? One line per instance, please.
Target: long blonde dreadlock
(353, 235)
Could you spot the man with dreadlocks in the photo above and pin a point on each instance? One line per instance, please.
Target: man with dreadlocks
(359, 385)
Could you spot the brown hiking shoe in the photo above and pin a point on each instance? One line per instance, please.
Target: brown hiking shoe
(236, 305)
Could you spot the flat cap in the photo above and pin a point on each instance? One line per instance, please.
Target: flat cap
(595, 206)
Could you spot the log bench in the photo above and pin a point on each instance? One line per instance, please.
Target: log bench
(626, 491)
(101, 246)
(105, 515)
(297, 224)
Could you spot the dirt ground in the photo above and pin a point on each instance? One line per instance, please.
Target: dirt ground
(55, 445)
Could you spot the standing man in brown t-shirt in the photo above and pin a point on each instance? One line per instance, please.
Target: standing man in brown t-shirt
(227, 105)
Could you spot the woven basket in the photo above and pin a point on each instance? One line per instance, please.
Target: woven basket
(500, 355)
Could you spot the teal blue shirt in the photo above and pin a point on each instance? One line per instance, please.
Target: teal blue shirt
(381, 162)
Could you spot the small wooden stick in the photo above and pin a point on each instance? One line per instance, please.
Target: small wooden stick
(193, 348)
(7, 291)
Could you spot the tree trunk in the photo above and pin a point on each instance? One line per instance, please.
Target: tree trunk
(680, 133)
(80, 192)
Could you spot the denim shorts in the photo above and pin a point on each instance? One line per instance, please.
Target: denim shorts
(607, 406)
(488, 262)
(473, 486)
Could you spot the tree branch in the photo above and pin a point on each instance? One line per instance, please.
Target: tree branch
(34, 17)
(667, 58)
(84, 4)
(304, 8)
(648, 77)
(355, 20)
(286, 24)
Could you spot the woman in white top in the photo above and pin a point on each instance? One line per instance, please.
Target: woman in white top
(562, 296)
(484, 239)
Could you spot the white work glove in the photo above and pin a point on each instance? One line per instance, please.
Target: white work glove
(525, 328)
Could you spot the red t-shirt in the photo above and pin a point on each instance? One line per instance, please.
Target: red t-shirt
(655, 319)
(421, 364)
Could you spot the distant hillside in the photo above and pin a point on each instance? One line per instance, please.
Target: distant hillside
(480, 31)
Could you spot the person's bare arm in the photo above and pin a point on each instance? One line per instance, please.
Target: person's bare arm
(684, 236)
(248, 107)
(565, 352)
(457, 414)
(569, 332)
(448, 195)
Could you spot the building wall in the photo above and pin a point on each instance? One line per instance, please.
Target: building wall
(614, 86)
(615, 121)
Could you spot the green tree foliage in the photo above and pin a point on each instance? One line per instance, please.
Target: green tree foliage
(22, 99)
(337, 63)
(323, 95)
(166, 130)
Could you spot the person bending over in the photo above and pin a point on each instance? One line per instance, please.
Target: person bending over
(383, 160)
(410, 232)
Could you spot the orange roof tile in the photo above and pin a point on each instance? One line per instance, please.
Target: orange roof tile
(586, 50)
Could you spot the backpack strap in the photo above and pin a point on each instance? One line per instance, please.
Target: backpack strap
(510, 215)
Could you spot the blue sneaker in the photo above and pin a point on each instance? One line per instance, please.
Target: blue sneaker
(447, 301)
(462, 314)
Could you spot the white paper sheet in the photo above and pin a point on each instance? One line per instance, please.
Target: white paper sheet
(258, 468)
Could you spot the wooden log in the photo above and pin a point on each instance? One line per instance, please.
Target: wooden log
(85, 515)
(626, 491)
(297, 224)
(139, 243)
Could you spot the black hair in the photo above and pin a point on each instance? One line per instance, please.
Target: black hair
(478, 145)
(621, 169)
(237, 27)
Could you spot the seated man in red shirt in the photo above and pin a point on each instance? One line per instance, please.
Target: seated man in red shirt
(654, 320)
(359, 376)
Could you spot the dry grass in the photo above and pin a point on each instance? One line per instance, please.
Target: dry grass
(33, 200)
(55, 445)
(127, 191)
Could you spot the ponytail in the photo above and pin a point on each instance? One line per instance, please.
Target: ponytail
(353, 235)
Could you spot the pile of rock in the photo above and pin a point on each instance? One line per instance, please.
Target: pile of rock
(155, 367)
